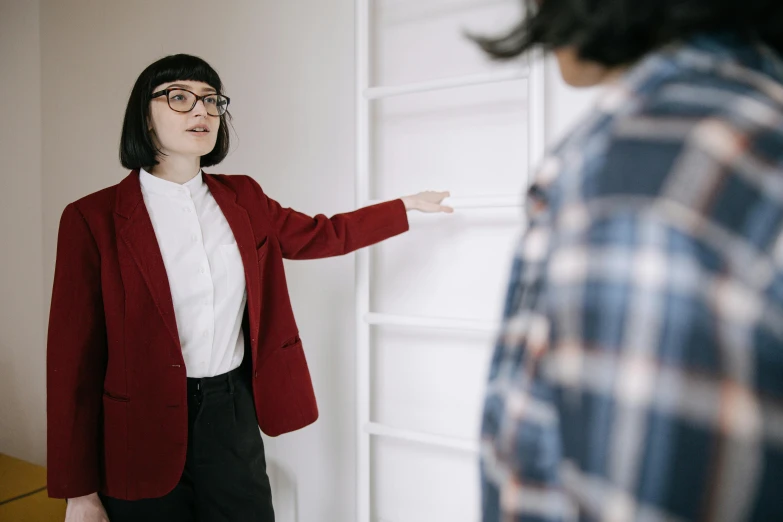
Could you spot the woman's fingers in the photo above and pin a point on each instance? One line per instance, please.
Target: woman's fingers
(429, 201)
(427, 206)
(436, 197)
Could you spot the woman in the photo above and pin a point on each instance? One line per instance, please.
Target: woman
(639, 374)
(171, 334)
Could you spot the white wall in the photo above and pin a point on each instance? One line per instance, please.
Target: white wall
(289, 68)
(22, 337)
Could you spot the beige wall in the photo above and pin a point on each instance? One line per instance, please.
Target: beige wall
(288, 67)
(22, 336)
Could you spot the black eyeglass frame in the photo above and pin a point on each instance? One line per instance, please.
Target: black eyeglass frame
(195, 99)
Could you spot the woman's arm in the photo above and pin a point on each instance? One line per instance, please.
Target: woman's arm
(305, 237)
(75, 362)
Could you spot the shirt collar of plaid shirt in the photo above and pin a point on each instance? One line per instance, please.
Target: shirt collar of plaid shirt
(726, 53)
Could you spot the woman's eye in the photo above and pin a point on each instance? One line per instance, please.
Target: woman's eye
(211, 100)
(177, 97)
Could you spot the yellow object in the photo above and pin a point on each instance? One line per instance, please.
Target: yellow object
(23, 496)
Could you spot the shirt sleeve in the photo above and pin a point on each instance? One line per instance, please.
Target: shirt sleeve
(76, 357)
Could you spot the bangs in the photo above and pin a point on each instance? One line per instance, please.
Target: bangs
(183, 67)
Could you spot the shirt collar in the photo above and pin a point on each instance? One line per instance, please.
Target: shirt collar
(724, 53)
(155, 185)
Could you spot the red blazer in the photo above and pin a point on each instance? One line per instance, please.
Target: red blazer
(116, 382)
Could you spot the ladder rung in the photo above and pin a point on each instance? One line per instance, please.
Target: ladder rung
(441, 441)
(375, 93)
(431, 322)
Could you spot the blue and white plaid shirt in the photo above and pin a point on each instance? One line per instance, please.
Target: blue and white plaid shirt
(639, 372)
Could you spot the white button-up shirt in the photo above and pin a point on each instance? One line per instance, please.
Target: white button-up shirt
(205, 272)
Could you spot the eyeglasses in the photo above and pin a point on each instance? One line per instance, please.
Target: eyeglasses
(182, 100)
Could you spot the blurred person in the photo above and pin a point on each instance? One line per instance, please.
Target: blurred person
(171, 333)
(639, 372)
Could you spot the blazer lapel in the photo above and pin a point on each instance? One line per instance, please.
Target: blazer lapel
(239, 221)
(139, 236)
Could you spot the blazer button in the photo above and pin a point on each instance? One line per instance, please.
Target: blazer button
(255, 374)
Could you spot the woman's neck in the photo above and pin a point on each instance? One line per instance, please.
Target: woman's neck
(176, 169)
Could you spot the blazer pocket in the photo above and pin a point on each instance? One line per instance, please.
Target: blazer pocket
(115, 396)
(293, 341)
(262, 248)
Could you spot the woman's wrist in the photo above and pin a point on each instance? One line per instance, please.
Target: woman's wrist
(92, 497)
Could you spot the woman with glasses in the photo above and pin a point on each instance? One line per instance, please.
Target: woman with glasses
(171, 334)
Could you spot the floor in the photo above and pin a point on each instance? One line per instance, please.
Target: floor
(23, 496)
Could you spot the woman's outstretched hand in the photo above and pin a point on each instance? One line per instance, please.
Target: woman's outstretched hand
(427, 202)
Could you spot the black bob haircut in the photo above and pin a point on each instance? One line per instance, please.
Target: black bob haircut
(619, 32)
(137, 149)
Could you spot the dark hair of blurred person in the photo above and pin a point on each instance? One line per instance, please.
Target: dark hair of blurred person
(590, 37)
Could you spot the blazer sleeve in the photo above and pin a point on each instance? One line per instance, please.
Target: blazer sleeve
(75, 362)
(305, 237)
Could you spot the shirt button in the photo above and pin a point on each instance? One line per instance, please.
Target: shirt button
(187, 209)
(206, 333)
(194, 238)
(202, 270)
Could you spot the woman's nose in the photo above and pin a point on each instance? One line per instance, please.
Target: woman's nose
(200, 108)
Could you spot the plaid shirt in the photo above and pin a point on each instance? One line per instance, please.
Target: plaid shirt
(639, 371)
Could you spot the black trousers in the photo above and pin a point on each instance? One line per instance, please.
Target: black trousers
(225, 476)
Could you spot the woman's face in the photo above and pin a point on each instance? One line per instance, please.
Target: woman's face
(191, 134)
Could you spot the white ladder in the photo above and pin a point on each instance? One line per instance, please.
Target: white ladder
(534, 72)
